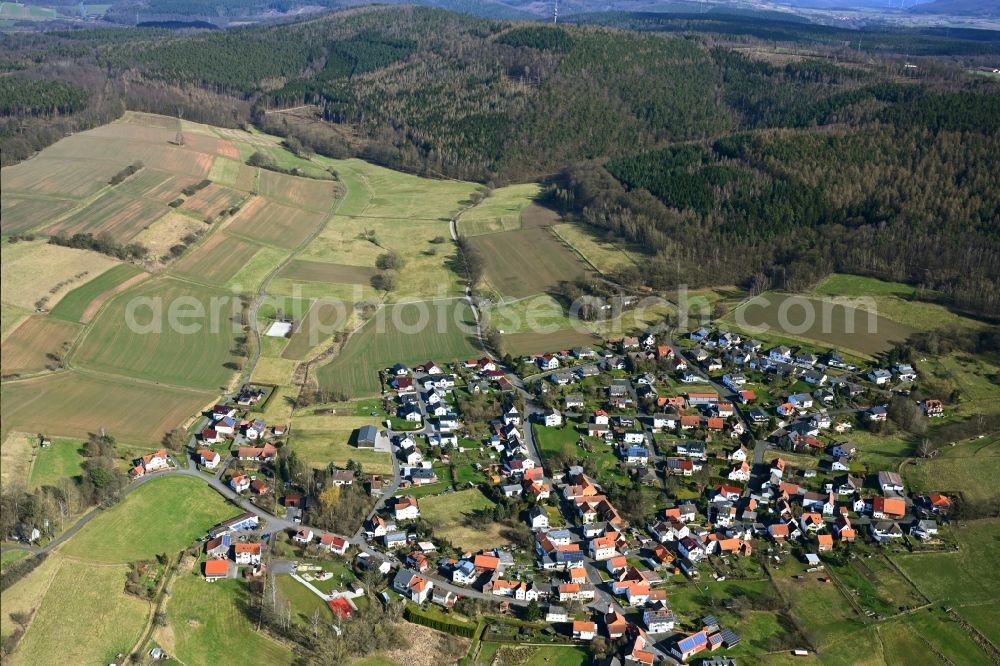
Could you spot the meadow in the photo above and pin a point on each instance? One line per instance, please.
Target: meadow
(170, 230)
(602, 253)
(297, 191)
(526, 262)
(157, 350)
(321, 440)
(62, 460)
(79, 589)
(969, 469)
(233, 173)
(274, 223)
(445, 513)
(135, 413)
(182, 508)
(208, 625)
(65, 269)
(36, 345)
(74, 305)
(321, 271)
(316, 328)
(500, 210)
(395, 335)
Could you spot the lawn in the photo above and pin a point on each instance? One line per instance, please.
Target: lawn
(209, 625)
(441, 331)
(526, 262)
(304, 601)
(136, 413)
(445, 514)
(39, 343)
(73, 305)
(500, 210)
(319, 448)
(180, 508)
(60, 461)
(184, 350)
(557, 441)
(78, 590)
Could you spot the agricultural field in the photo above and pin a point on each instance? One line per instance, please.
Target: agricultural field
(253, 272)
(818, 322)
(24, 285)
(233, 173)
(136, 413)
(69, 178)
(271, 370)
(445, 513)
(296, 191)
(526, 262)
(500, 210)
(183, 508)
(321, 271)
(82, 303)
(602, 253)
(216, 260)
(62, 460)
(537, 343)
(395, 335)
(78, 589)
(274, 223)
(212, 200)
(39, 343)
(541, 313)
(10, 317)
(207, 625)
(158, 350)
(316, 328)
(20, 214)
(16, 10)
(111, 213)
(157, 185)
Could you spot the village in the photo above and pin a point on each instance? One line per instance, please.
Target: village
(645, 465)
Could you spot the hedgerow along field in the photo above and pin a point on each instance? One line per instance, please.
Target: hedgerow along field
(38, 343)
(212, 200)
(153, 349)
(395, 336)
(74, 305)
(526, 262)
(135, 412)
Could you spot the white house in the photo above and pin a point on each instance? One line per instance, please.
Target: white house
(209, 459)
(552, 419)
(406, 508)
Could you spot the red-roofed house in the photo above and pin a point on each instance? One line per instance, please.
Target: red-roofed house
(216, 569)
(247, 553)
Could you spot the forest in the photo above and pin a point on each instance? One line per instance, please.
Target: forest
(735, 149)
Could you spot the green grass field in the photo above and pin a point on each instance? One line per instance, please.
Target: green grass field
(600, 251)
(499, 211)
(316, 328)
(966, 576)
(72, 306)
(209, 625)
(62, 461)
(395, 335)
(319, 448)
(13, 10)
(969, 469)
(188, 351)
(526, 262)
(161, 516)
(78, 590)
(445, 513)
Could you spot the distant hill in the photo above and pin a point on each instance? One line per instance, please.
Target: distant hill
(979, 8)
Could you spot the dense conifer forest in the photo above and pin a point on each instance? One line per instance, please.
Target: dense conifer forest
(735, 150)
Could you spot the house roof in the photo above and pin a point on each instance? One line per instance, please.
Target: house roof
(247, 548)
(890, 505)
(216, 567)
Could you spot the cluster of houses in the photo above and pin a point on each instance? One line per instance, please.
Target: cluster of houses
(231, 544)
(153, 462)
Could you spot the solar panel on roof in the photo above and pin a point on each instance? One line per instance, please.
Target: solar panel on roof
(730, 637)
